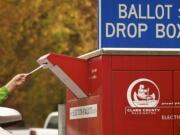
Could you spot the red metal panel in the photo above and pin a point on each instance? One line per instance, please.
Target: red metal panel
(95, 75)
(75, 68)
(125, 123)
(100, 84)
(85, 126)
(177, 102)
(107, 121)
(145, 62)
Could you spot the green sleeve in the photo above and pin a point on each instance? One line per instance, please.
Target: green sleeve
(3, 94)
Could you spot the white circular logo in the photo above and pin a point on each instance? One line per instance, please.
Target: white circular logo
(143, 93)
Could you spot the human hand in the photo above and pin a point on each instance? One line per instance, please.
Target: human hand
(17, 80)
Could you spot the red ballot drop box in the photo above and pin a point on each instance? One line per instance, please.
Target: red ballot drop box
(120, 92)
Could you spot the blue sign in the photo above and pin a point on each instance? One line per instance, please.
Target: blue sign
(139, 24)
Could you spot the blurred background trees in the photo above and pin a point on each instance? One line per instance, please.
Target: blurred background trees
(32, 28)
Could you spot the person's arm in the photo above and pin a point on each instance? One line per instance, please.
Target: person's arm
(11, 85)
(16, 81)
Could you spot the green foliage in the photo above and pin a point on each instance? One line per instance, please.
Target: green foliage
(32, 28)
